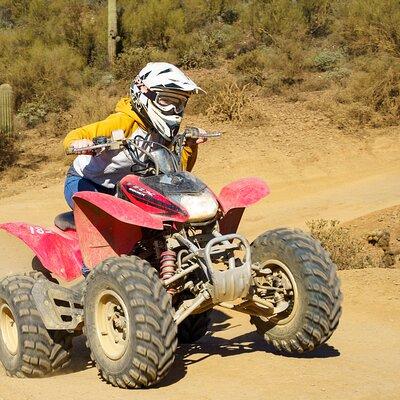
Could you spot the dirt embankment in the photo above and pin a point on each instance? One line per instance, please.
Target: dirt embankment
(314, 171)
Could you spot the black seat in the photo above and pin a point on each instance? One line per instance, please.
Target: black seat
(65, 221)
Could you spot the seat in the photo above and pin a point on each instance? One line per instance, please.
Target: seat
(65, 221)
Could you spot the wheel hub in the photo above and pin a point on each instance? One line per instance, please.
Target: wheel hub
(8, 329)
(280, 285)
(112, 324)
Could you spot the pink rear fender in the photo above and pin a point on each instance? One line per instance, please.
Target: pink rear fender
(58, 251)
(108, 226)
(235, 197)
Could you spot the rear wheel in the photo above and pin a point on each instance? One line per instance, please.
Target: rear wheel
(299, 264)
(26, 347)
(128, 323)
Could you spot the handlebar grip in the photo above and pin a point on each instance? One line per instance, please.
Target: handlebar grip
(196, 133)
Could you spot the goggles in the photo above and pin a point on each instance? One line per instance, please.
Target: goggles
(168, 103)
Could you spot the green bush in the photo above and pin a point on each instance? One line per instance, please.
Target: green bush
(326, 60)
(33, 113)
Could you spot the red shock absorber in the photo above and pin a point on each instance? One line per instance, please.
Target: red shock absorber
(168, 267)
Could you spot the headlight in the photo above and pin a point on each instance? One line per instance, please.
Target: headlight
(201, 206)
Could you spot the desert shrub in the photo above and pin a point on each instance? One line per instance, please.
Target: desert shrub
(229, 16)
(326, 60)
(318, 15)
(346, 251)
(199, 13)
(232, 103)
(365, 26)
(153, 23)
(91, 105)
(374, 90)
(339, 74)
(131, 61)
(251, 66)
(45, 74)
(269, 20)
(8, 151)
(286, 64)
(199, 49)
(33, 112)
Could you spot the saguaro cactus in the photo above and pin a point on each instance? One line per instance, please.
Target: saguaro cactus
(112, 30)
(6, 108)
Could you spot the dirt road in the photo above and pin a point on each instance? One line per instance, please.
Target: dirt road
(362, 359)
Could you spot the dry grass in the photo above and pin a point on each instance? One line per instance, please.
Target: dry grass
(91, 105)
(346, 251)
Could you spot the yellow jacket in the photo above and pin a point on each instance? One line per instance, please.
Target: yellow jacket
(126, 119)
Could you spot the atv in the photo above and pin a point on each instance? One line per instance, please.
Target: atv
(140, 271)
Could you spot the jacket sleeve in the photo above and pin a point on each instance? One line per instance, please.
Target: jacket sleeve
(101, 128)
(189, 156)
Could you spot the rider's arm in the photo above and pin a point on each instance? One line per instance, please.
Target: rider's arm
(102, 128)
(128, 125)
(189, 156)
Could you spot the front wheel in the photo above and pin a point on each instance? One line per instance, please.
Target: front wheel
(129, 323)
(27, 349)
(297, 263)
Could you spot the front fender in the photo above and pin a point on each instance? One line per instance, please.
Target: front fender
(242, 193)
(58, 251)
(108, 226)
(235, 197)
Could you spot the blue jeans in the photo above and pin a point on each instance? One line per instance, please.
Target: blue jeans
(75, 183)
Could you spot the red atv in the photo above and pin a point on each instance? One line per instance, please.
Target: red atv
(142, 270)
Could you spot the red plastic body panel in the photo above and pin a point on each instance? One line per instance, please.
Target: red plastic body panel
(108, 226)
(235, 197)
(151, 201)
(242, 193)
(58, 251)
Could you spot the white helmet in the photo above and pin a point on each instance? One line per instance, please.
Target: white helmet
(159, 94)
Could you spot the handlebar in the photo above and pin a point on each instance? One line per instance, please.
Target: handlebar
(72, 150)
(189, 132)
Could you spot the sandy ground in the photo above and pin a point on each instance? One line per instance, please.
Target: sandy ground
(324, 174)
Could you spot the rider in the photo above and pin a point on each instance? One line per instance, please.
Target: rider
(154, 110)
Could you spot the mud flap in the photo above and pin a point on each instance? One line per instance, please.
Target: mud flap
(60, 308)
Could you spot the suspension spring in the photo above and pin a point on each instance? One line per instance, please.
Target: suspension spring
(168, 267)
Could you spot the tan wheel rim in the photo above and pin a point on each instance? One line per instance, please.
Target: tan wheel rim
(8, 329)
(112, 324)
(286, 316)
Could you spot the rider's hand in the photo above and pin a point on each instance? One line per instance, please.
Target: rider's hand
(192, 141)
(80, 144)
(201, 140)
